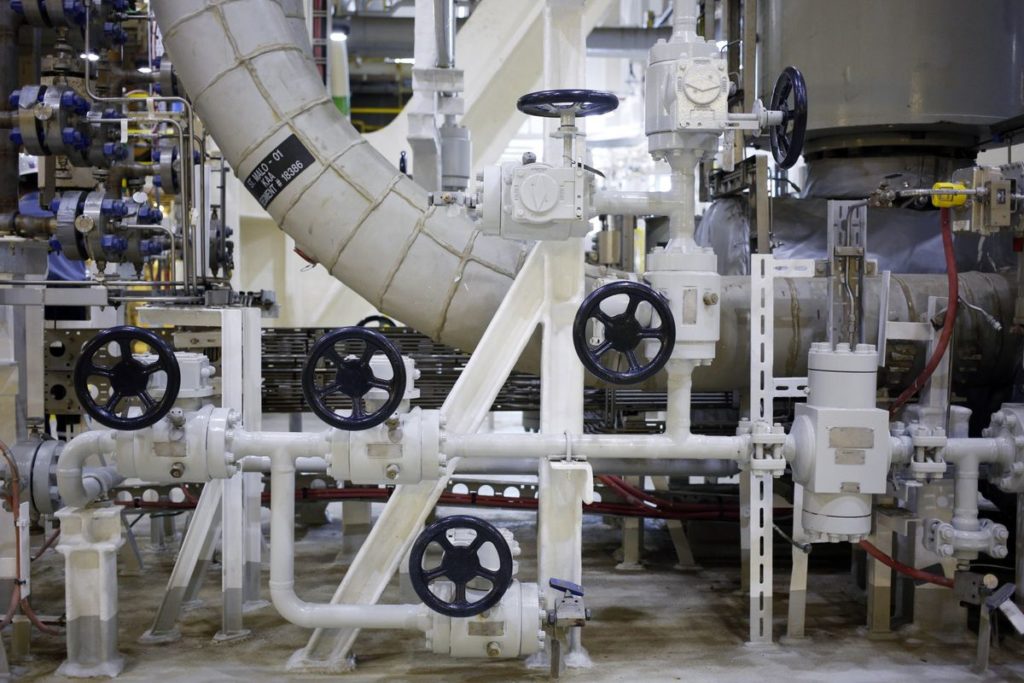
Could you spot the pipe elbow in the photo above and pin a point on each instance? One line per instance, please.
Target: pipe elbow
(77, 489)
(289, 605)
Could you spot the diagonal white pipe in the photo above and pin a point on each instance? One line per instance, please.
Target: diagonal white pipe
(348, 209)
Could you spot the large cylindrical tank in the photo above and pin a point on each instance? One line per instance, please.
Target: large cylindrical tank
(916, 73)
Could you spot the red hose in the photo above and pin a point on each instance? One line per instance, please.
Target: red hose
(904, 569)
(948, 324)
(49, 541)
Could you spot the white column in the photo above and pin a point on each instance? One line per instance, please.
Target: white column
(563, 485)
(232, 515)
(252, 482)
(89, 541)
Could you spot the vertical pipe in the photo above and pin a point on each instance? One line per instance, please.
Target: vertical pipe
(680, 385)
(684, 19)
(9, 22)
(965, 494)
(444, 30)
(681, 222)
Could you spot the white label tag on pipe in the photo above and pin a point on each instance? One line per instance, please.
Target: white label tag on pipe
(124, 130)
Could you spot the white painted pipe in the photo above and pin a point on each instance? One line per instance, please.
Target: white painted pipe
(684, 19)
(967, 454)
(980, 449)
(677, 203)
(680, 390)
(282, 571)
(674, 468)
(261, 463)
(615, 466)
(965, 494)
(315, 445)
(634, 203)
(76, 488)
(347, 207)
(624, 446)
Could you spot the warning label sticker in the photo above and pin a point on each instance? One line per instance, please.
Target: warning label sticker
(283, 165)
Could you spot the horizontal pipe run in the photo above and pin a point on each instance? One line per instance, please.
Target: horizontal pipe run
(984, 449)
(618, 446)
(618, 466)
(295, 445)
(635, 203)
(528, 466)
(262, 463)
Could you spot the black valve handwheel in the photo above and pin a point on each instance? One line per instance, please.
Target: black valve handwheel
(345, 355)
(554, 103)
(460, 564)
(128, 378)
(623, 332)
(789, 97)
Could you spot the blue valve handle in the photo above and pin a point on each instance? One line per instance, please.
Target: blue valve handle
(566, 586)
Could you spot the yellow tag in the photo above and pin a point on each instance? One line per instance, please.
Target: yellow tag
(946, 201)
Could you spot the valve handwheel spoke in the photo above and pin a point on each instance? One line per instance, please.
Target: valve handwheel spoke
(128, 378)
(788, 143)
(623, 332)
(350, 374)
(460, 564)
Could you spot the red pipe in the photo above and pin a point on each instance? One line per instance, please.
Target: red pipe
(904, 569)
(947, 325)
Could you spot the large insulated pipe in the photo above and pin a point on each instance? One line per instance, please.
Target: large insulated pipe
(349, 209)
(346, 206)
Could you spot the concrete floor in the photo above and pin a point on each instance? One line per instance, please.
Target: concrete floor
(656, 625)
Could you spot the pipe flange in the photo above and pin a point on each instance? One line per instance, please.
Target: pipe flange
(1008, 424)
(219, 422)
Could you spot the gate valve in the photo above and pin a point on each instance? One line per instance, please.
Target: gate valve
(339, 363)
(127, 376)
(623, 332)
(460, 564)
(559, 103)
(789, 97)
